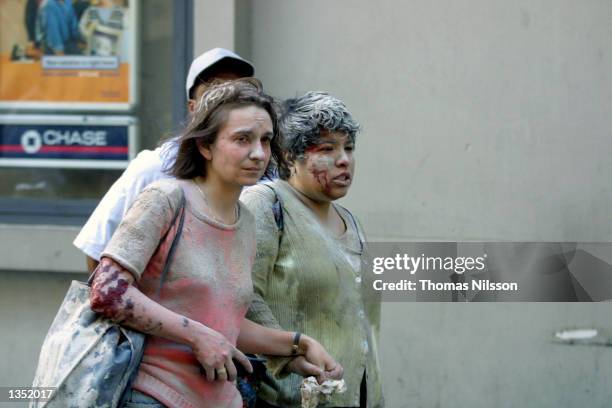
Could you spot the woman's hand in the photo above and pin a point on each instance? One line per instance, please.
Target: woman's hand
(316, 355)
(113, 295)
(300, 366)
(316, 361)
(215, 353)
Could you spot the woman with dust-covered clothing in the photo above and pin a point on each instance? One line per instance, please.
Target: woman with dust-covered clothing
(307, 271)
(197, 324)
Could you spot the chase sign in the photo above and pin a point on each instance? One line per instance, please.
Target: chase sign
(66, 141)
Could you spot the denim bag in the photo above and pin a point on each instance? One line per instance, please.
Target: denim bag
(89, 359)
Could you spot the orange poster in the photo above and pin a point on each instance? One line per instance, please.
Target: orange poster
(67, 54)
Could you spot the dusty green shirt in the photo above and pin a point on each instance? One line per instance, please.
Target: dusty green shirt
(312, 282)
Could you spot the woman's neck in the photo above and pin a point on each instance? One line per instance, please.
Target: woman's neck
(220, 197)
(321, 209)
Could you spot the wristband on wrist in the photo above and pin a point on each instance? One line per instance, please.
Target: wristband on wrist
(296, 344)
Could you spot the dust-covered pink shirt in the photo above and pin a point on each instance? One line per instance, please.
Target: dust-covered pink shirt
(209, 281)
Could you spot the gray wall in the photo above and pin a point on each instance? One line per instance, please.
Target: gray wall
(28, 303)
(483, 355)
(483, 120)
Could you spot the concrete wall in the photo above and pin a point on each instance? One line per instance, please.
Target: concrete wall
(28, 303)
(482, 355)
(213, 25)
(483, 120)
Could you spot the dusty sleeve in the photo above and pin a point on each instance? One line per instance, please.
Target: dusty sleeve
(259, 200)
(374, 300)
(139, 233)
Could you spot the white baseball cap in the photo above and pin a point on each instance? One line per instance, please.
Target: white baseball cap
(210, 58)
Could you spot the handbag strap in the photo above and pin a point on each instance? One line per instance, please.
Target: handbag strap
(175, 240)
(277, 209)
(179, 213)
(357, 230)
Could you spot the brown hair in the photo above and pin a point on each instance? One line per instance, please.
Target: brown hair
(212, 113)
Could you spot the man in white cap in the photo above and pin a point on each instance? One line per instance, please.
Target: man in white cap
(149, 165)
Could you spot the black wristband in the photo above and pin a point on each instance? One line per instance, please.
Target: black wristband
(296, 344)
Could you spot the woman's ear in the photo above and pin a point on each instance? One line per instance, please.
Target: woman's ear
(290, 160)
(191, 105)
(205, 151)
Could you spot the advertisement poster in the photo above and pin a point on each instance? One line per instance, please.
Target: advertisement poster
(102, 142)
(68, 55)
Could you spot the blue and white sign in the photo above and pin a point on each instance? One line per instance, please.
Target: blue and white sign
(67, 141)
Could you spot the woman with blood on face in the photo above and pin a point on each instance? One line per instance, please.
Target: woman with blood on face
(307, 274)
(196, 324)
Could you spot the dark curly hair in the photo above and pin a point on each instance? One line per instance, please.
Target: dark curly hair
(212, 113)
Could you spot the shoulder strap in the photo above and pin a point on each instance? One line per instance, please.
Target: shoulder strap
(357, 229)
(277, 209)
(180, 211)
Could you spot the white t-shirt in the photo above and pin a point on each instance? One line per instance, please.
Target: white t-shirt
(146, 168)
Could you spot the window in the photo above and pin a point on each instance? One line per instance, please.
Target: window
(65, 195)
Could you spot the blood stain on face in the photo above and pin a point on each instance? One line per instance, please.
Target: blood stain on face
(320, 167)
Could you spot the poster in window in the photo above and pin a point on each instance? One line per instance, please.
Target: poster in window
(68, 54)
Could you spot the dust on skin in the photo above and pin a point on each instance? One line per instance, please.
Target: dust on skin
(151, 326)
